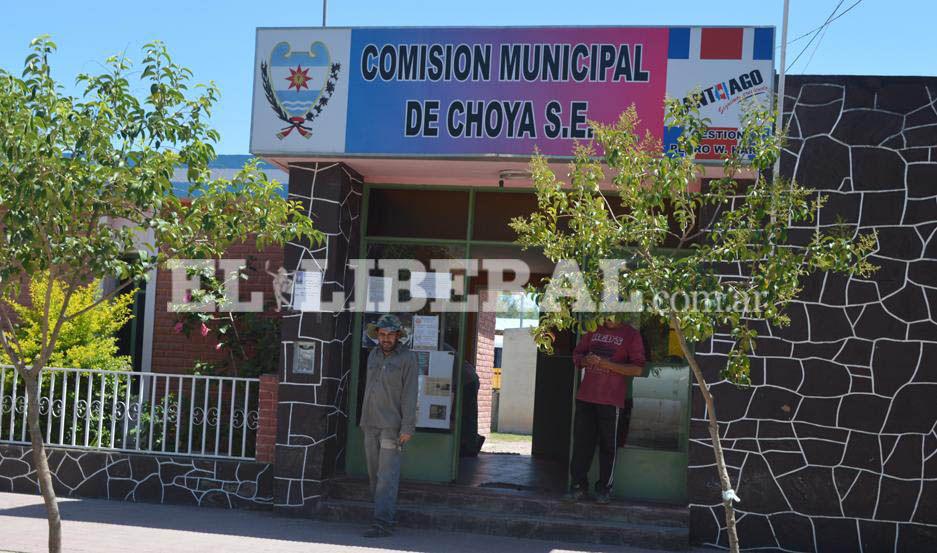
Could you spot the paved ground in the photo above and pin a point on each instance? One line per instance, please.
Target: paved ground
(507, 443)
(505, 470)
(100, 526)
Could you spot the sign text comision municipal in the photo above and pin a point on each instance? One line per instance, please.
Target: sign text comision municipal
(495, 91)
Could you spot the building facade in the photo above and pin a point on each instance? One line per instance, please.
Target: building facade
(832, 448)
(834, 443)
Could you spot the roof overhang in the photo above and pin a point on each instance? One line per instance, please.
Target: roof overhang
(485, 172)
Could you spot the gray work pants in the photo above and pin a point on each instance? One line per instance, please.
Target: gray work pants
(382, 451)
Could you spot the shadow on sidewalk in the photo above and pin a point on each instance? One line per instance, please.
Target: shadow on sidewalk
(270, 526)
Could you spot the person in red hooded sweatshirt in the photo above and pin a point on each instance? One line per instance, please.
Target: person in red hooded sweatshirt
(608, 358)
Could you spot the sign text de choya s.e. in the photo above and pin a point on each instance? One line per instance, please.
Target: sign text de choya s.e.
(481, 91)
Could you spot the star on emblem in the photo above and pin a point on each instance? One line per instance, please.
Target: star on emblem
(299, 78)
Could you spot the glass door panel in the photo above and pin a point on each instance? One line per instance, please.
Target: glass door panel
(428, 456)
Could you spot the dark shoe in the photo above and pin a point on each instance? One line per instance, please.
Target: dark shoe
(377, 531)
(603, 497)
(575, 494)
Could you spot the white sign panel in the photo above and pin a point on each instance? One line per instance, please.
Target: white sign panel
(729, 68)
(300, 91)
(307, 291)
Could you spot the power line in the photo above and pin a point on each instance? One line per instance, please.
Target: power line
(808, 33)
(816, 32)
(815, 48)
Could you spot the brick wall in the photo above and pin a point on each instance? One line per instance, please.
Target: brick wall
(484, 363)
(267, 420)
(176, 353)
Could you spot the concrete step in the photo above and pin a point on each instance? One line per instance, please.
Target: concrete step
(516, 514)
(514, 525)
(518, 503)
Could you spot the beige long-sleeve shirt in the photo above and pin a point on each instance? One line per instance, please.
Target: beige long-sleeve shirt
(391, 390)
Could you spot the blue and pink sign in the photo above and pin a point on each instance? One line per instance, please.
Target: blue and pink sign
(474, 92)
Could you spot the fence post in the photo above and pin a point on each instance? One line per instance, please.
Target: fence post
(267, 423)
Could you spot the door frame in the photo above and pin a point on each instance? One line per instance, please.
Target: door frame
(353, 448)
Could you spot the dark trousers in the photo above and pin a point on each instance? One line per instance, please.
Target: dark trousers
(595, 424)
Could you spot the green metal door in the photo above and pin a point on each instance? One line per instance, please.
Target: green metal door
(652, 465)
(431, 454)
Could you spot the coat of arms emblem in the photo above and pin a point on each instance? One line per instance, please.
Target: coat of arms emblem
(298, 85)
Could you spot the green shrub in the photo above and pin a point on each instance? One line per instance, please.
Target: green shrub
(89, 341)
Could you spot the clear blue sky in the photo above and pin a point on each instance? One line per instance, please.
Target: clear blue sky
(216, 38)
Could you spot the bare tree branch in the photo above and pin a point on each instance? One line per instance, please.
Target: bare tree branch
(15, 356)
(104, 297)
(8, 321)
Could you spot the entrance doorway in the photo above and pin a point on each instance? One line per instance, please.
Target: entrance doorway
(531, 437)
(429, 222)
(525, 414)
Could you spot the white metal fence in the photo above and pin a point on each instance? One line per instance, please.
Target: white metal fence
(204, 416)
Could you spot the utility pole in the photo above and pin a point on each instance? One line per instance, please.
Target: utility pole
(780, 115)
(325, 5)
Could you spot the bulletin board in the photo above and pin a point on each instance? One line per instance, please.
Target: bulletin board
(436, 364)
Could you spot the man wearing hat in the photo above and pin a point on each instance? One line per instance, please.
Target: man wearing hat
(388, 416)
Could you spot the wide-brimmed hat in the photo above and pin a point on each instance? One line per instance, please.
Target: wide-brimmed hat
(388, 321)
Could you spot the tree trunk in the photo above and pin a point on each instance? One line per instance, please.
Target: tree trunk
(714, 435)
(41, 462)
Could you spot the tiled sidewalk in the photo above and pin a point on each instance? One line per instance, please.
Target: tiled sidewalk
(100, 526)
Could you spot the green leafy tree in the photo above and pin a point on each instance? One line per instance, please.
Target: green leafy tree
(85, 179)
(672, 241)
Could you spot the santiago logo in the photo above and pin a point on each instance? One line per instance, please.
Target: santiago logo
(743, 86)
(298, 85)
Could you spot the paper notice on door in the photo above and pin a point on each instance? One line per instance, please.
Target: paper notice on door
(378, 294)
(439, 387)
(430, 285)
(435, 403)
(425, 332)
(439, 414)
(440, 364)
